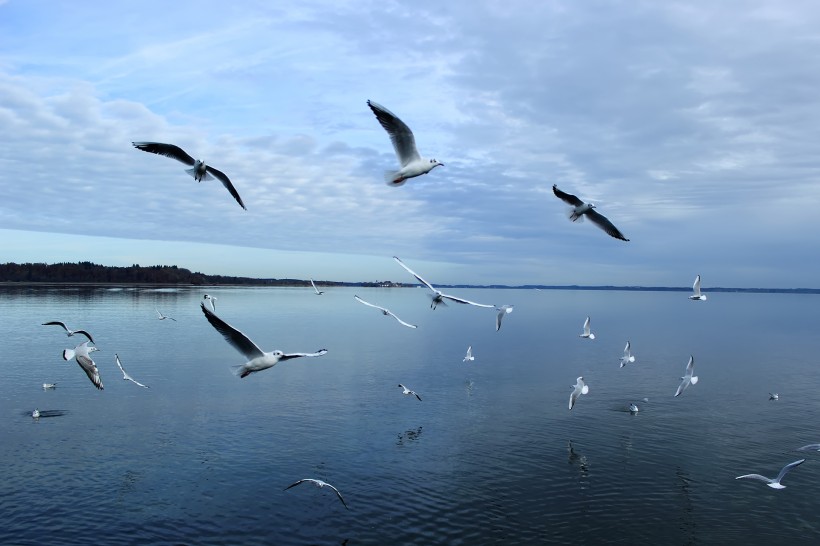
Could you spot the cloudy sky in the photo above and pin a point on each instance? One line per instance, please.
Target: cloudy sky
(694, 126)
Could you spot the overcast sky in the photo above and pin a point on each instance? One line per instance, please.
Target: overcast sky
(694, 126)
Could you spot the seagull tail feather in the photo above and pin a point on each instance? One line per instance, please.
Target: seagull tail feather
(192, 172)
(694, 380)
(573, 217)
(68, 354)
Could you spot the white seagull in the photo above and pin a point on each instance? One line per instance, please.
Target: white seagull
(580, 209)
(199, 170)
(320, 484)
(633, 408)
(125, 375)
(627, 358)
(773, 483)
(212, 300)
(48, 386)
(82, 354)
(688, 378)
(469, 356)
(587, 333)
(404, 143)
(385, 312)
(318, 292)
(35, 414)
(578, 389)
(697, 296)
(258, 360)
(408, 392)
(810, 447)
(438, 296)
(68, 330)
(503, 310)
(774, 396)
(160, 316)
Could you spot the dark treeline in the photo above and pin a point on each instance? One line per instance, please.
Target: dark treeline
(88, 272)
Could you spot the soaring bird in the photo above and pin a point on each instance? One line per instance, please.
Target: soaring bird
(69, 332)
(320, 484)
(503, 310)
(577, 390)
(773, 483)
(580, 209)
(82, 354)
(439, 296)
(385, 312)
(199, 170)
(318, 292)
(696, 295)
(587, 334)
(258, 360)
(408, 392)
(469, 356)
(627, 358)
(125, 375)
(160, 316)
(688, 378)
(404, 143)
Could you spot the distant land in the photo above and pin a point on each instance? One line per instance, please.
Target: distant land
(91, 273)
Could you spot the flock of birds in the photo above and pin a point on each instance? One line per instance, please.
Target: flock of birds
(411, 164)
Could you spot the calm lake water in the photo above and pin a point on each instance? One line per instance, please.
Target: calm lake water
(491, 455)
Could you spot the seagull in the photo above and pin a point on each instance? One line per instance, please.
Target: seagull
(503, 310)
(48, 386)
(212, 300)
(579, 388)
(773, 483)
(68, 330)
(385, 312)
(257, 359)
(688, 378)
(810, 447)
(627, 355)
(320, 484)
(469, 356)
(200, 171)
(125, 375)
(633, 408)
(581, 209)
(774, 396)
(409, 392)
(82, 354)
(697, 296)
(35, 414)
(318, 292)
(438, 296)
(160, 316)
(412, 164)
(587, 334)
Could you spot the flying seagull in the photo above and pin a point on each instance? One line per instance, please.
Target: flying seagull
(160, 316)
(320, 484)
(581, 209)
(412, 164)
(774, 396)
(627, 358)
(697, 296)
(125, 375)
(587, 333)
(385, 312)
(773, 483)
(408, 392)
(688, 378)
(82, 354)
(68, 330)
(257, 359)
(49, 386)
(318, 292)
(200, 171)
(438, 296)
(469, 356)
(578, 389)
(212, 300)
(503, 310)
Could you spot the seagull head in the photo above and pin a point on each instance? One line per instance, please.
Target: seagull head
(436, 163)
(91, 349)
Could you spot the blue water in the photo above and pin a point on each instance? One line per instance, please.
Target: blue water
(491, 454)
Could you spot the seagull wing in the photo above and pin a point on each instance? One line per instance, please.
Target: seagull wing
(462, 300)
(787, 468)
(400, 321)
(416, 395)
(338, 495)
(755, 477)
(400, 134)
(810, 447)
(56, 323)
(690, 366)
(90, 370)
(222, 177)
(682, 386)
(422, 281)
(567, 198)
(86, 334)
(288, 356)
(125, 375)
(574, 396)
(602, 222)
(696, 286)
(168, 150)
(360, 300)
(314, 286)
(294, 484)
(237, 339)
